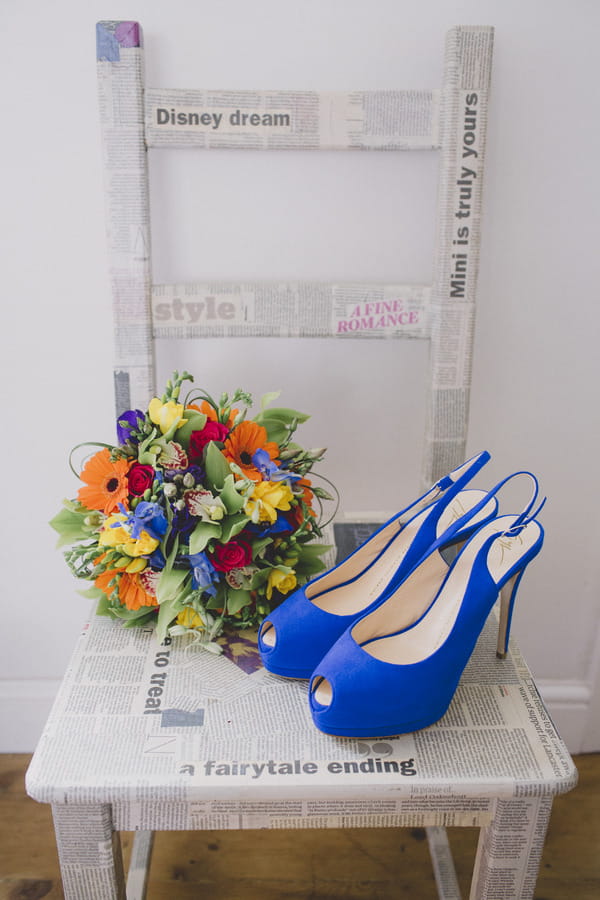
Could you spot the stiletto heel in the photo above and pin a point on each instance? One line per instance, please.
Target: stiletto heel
(298, 633)
(382, 678)
(507, 602)
(508, 591)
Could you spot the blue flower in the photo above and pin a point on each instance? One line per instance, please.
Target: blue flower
(203, 573)
(148, 517)
(129, 421)
(157, 559)
(263, 463)
(262, 529)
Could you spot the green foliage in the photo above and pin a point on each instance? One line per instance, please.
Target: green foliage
(232, 498)
(74, 523)
(195, 421)
(202, 534)
(172, 511)
(217, 467)
(280, 422)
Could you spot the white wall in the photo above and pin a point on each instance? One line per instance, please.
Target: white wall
(534, 402)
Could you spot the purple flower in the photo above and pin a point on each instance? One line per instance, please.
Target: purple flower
(127, 422)
(182, 524)
(196, 471)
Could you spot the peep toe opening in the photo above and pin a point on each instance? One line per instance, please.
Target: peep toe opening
(267, 635)
(321, 692)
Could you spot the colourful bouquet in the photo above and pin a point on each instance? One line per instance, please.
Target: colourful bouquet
(200, 516)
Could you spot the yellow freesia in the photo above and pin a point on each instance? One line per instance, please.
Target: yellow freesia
(189, 618)
(112, 535)
(168, 416)
(143, 546)
(266, 498)
(118, 536)
(284, 582)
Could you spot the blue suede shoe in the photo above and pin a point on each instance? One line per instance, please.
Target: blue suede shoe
(297, 634)
(382, 678)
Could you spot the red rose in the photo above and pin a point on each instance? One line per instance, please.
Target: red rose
(232, 555)
(212, 431)
(139, 479)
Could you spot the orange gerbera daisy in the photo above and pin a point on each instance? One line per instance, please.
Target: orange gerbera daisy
(131, 592)
(211, 414)
(307, 494)
(243, 442)
(105, 482)
(296, 515)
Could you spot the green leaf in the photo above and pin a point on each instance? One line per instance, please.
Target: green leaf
(278, 422)
(220, 598)
(103, 608)
(202, 534)
(322, 493)
(310, 566)
(232, 499)
(128, 615)
(167, 613)
(314, 550)
(283, 413)
(267, 399)
(141, 620)
(260, 577)
(195, 422)
(93, 593)
(70, 526)
(213, 603)
(232, 526)
(170, 584)
(217, 467)
(259, 545)
(237, 599)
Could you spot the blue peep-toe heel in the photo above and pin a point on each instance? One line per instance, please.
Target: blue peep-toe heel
(297, 634)
(381, 678)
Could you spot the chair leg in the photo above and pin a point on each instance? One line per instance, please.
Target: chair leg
(443, 864)
(510, 849)
(139, 865)
(89, 851)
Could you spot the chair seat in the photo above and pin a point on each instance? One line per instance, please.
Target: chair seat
(178, 738)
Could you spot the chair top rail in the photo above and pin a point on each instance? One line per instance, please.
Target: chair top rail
(293, 120)
(290, 309)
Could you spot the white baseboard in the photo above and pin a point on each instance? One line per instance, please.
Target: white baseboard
(568, 703)
(24, 708)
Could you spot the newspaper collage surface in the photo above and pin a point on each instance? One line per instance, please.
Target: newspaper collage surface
(230, 745)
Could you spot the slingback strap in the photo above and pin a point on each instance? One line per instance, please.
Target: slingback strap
(525, 518)
(522, 520)
(447, 487)
(468, 470)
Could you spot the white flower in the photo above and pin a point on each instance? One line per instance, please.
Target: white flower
(204, 505)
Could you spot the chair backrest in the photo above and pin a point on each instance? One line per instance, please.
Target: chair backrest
(452, 120)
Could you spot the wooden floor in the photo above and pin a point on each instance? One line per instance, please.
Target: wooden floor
(355, 864)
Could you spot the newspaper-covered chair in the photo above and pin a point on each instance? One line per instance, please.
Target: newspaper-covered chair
(453, 120)
(146, 736)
